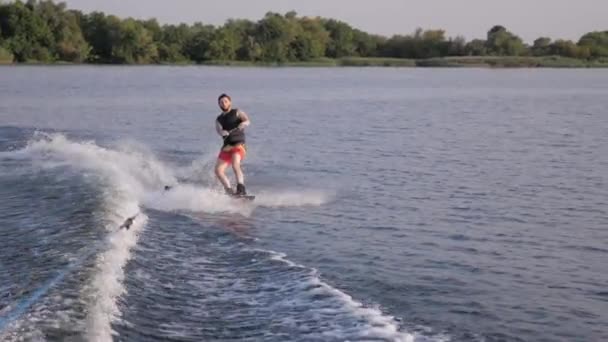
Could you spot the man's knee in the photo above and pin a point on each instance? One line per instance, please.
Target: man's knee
(220, 168)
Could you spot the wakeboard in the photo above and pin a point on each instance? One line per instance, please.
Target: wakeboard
(235, 196)
(243, 197)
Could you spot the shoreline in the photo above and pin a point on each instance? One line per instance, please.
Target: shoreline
(489, 62)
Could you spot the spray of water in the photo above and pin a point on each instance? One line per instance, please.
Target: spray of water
(131, 179)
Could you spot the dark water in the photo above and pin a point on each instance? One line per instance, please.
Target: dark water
(393, 204)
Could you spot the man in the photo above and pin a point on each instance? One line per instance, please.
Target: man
(230, 125)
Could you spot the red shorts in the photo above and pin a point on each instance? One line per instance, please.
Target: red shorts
(227, 152)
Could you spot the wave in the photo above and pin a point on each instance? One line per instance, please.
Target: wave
(123, 177)
(130, 179)
(372, 323)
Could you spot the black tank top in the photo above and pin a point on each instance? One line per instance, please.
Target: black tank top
(230, 121)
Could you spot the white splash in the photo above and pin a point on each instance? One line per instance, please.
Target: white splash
(194, 198)
(379, 325)
(125, 176)
(131, 178)
(291, 198)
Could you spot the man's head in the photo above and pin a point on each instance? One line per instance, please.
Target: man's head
(225, 102)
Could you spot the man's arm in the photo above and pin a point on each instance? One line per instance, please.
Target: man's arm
(219, 129)
(244, 119)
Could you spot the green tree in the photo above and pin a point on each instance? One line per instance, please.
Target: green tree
(341, 42)
(366, 45)
(432, 44)
(47, 31)
(69, 43)
(421, 44)
(223, 45)
(274, 33)
(197, 46)
(567, 48)
(244, 32)
(173, 43)
(476, 47)
(501, 42)
(398, 46)
(26, 34)
(6, 56)
(154, 29)
(310, 41)
(102, 33)
(134, 44)
(457, 46)
(596, 42)
(542, 46)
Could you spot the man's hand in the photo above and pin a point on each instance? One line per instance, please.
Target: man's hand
(224, 134)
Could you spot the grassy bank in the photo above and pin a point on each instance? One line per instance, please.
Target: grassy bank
(6, 57)
(321, 62)
(450, 62)
(325, 62)
(376, 62)
(441, 62)
(511, 62)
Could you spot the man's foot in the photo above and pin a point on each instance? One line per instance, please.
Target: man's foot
(240, 190)
(229, 191)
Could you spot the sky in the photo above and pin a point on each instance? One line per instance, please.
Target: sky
(529, 19)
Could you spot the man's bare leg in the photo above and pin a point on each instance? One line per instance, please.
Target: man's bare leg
(220, 172)
(238, 172)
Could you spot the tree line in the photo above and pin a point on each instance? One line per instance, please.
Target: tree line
(46, 31)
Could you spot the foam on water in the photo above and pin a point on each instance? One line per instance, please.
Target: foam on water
(124, 176)
(131, 178)
(291, 198)
(107, 283)
(378, 324)
(195, 198)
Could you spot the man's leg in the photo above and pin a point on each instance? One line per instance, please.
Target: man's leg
(220, 172)
(238, 172)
